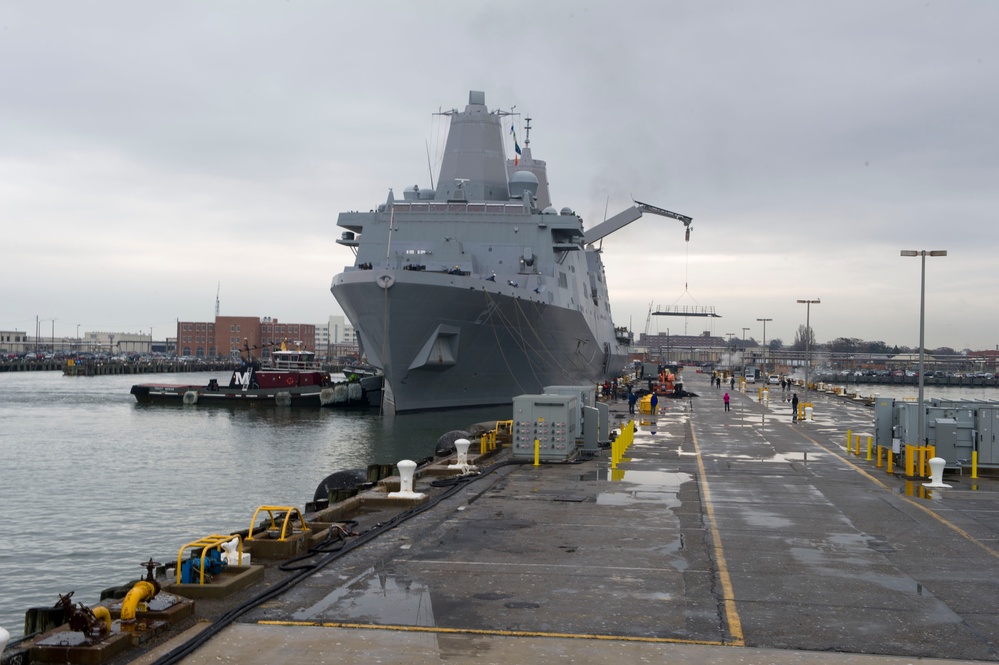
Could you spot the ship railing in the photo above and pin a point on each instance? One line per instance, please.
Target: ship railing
(438, 207)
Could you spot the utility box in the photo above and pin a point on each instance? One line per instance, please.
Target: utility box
(548, 419)
(603, 412)
(987, 430)
(586, 396)
(591, 429)
(884, 420)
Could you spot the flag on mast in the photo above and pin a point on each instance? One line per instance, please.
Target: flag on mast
(516, 147)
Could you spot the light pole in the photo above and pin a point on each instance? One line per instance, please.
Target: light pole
(764, 343)
(808, 337)
(922, 317)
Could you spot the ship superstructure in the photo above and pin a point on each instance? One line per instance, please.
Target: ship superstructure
(479, 290)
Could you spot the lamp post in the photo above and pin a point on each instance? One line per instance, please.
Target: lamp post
(808, 337)
(922, 318)
(764, 343)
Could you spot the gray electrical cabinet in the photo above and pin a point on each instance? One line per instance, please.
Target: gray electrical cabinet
(884, 420)
(603, 411)
(549, 419)
(987, 422)
(585, 395)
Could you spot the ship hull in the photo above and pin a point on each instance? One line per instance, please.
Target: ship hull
(447, 341)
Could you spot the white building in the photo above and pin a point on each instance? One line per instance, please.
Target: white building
(336, 338)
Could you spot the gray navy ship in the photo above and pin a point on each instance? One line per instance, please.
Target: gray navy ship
(478, 290)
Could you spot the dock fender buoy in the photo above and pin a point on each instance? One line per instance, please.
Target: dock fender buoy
(340, 480)
(283, 398)
(191, 397)
(445, 445)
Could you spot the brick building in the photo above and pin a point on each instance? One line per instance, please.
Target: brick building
(226, 335)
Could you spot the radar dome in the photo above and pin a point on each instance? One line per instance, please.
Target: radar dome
(550, 210)
(566, 211)
(522, 181)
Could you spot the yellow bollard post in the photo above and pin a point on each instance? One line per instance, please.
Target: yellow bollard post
(856, 445)
(974, 464)
(909, 461)
(537, 452)
(869, 448)
(889, 467)
(849, 439)
(880, 451)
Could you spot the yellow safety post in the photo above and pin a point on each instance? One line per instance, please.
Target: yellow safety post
(891, 461)
(880, 461)
(869, 448)
(849, 439)
(974, 464)
(537, 452)
(856, 445)
(270, 510)
(910, 455)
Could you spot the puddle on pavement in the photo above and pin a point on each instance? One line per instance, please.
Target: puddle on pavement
(381, 598)
(916, 489)
(648, 487)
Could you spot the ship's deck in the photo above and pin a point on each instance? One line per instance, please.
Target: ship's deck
(723, 537)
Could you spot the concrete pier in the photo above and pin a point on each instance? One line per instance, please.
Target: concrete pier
(721, 537)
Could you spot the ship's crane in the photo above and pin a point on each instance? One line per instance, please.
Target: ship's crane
(626, 217)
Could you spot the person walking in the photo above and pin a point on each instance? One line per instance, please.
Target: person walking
(632, 398)
(794, 408)
(726, 398)
(731, 383)
(653, 403)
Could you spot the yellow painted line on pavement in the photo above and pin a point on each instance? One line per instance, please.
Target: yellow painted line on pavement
(496, 633)
(731, 614)
(958, 530)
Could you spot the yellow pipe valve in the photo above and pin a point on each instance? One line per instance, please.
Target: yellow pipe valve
(140, 593)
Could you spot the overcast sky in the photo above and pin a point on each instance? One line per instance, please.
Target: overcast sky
(152, 151)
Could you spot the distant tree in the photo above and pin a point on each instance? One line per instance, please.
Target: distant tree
(876, 347)
(803, 338)
(845, 345)
(943, 351)
(776, 344)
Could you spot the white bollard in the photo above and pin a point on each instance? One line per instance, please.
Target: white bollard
(808, 413)
(766, 398)
(461, 445)
(937, 465)
(230, 553)
(407, 469)
(4, 638)
(461, 464)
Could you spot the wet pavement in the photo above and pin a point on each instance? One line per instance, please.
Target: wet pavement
(722, 536)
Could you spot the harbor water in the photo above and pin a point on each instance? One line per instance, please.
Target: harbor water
(92, 484)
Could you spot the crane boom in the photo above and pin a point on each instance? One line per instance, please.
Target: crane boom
(626, 217)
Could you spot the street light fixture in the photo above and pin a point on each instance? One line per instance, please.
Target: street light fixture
(764, 343)
(808, 337)
(922, 318)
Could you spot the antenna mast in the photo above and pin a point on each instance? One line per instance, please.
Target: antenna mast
(217, 290)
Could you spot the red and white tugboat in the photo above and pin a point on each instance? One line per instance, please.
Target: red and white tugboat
(291, 377)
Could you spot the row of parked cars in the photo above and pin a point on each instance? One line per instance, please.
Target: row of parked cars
(910, 373)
